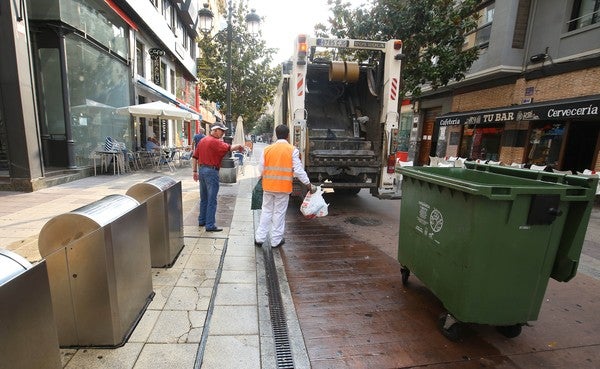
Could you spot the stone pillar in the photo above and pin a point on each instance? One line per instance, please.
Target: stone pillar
(18, 98)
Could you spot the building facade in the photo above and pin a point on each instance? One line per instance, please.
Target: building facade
(533, 95)
(69, 64)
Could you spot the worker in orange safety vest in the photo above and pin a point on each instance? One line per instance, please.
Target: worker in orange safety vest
(278, 165)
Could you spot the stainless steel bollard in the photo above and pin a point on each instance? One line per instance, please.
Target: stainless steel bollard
(99, 270)
(28, 337)
(162, 196)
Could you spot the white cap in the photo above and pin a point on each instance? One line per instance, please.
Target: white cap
(218, 125)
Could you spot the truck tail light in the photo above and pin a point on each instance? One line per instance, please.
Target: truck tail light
(391, 164)
(302, 49)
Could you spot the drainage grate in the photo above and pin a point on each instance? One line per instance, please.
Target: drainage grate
(283, 351)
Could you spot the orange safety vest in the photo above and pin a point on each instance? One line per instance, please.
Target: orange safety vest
(278, 171)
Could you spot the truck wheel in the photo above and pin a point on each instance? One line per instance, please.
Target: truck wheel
(405, 274)
(450, 327)
(510, 331)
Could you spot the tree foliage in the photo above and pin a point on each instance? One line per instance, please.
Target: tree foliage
(264, 124)
(253, 81)
(432, 31)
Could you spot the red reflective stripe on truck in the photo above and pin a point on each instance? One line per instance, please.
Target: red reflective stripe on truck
(300, 84)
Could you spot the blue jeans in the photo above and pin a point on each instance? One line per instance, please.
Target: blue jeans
(239, 156)
(209, 189)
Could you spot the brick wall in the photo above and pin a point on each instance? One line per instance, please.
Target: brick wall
(494, 97)
(563, 86)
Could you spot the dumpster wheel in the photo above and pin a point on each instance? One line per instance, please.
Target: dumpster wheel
(510, 331)
(450, 327)
(405, 274)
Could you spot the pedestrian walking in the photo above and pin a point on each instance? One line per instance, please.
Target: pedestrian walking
(206, 162)
(198, 136)
(278, 166)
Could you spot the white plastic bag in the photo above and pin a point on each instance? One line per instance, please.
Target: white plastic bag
(314, 206)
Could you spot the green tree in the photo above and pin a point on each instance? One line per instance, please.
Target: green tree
(264, 124)
(253, 81)
(432, 33)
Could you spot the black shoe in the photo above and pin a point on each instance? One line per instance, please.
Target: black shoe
(201, 224)
(258, 244)
(280, 243)
(216, 229)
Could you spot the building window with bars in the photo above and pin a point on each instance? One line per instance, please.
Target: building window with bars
(584, 13)
(481, 36)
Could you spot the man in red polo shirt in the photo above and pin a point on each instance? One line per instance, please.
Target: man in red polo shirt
(206, 162)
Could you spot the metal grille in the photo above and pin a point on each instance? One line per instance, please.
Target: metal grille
(283, 350)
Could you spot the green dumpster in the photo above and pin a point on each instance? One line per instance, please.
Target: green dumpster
(485, 239)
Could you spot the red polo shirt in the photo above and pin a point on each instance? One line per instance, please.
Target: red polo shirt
(210, 151)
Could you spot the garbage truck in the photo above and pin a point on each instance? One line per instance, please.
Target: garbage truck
(343, 113)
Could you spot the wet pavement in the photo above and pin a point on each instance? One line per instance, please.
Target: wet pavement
(355, 312)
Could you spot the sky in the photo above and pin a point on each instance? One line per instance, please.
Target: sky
(283, 20)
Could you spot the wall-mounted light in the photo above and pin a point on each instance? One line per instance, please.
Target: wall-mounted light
(538, 58)
(541, 57)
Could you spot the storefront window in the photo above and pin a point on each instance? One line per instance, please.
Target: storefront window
(97, 88)
(51, 89)
(545, 142)
(481, 142)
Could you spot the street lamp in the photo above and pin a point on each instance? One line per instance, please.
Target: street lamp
(206, 17)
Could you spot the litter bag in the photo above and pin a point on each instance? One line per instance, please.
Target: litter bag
(314, 205)
(257, 195)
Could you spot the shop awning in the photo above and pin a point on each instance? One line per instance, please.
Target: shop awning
(581, 108)
(165, 94)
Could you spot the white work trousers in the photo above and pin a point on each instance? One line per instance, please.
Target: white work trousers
(272, 217)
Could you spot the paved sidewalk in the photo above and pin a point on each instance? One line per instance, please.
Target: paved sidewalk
(206, 307)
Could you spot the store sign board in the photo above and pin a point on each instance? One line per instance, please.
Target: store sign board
(587, 109)
(156, 71)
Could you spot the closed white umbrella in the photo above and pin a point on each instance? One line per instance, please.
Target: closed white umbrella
(239, 137)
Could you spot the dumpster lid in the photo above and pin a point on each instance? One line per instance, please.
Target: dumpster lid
(143, 191)
(11, 265)
(63, 229)
(503, 183)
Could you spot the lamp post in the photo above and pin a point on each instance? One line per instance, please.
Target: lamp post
(206, 17)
